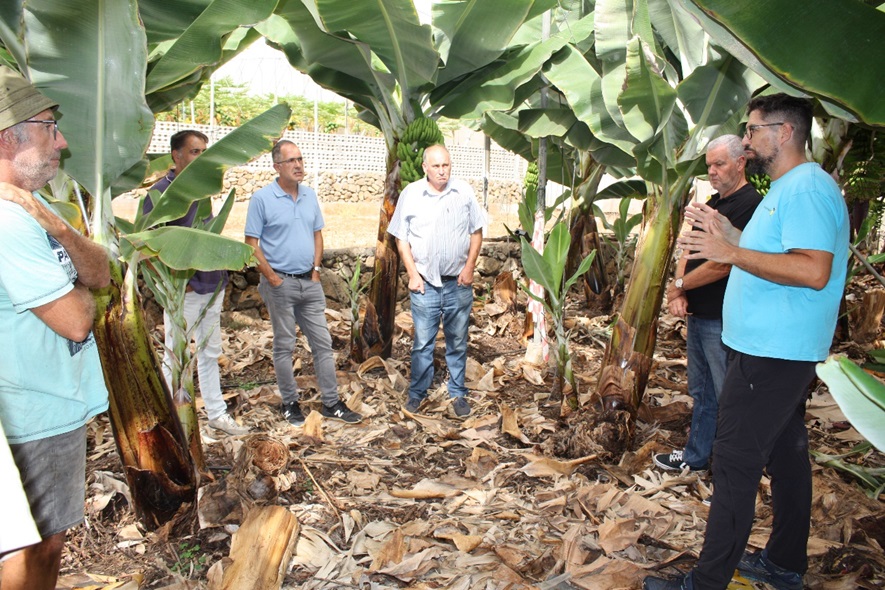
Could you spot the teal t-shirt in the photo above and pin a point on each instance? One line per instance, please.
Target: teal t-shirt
(49, 385)
(804, 209)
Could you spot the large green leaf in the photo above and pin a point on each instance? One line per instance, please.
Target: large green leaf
(860, 396)
(494, 88)
(555, 253)
(575, 77)
(332, 62)
(11, 30)
(184, 89)
(102, 108)
(166, 20)
(832, 50)
(679, 32)
(613, 31)
(715, 97)
(646, 100)
(184, 248)
(472, 34)
(339, 63)
(201, 43)
(204, 176)
(536, 268)
(392, 30)
(544, 122)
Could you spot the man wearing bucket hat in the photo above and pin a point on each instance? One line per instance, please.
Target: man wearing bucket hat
(51, 381)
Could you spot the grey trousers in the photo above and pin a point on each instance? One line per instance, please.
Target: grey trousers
(300, 301)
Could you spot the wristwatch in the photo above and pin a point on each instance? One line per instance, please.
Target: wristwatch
(678, 283)
(317, 268)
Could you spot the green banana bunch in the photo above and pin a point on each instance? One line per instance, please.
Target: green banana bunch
(420, 134)
(761, 182)
(530, 182)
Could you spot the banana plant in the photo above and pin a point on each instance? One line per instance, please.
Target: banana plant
(657, 112)
(96, 71)
(355, 293)
(548, 269)
(622, 238)
(397, 71)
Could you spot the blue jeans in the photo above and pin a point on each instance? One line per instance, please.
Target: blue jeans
(452, 304)
(706, 372)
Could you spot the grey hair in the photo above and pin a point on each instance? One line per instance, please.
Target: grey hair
(19, 132)
(732, 143)
(278, 147)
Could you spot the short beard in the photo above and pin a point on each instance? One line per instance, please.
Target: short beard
(759, 165)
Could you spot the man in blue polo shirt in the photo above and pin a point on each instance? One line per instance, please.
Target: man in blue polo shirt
(284, 225)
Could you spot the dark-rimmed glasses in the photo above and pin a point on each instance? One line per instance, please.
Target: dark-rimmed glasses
(751, 129)
(48, 122)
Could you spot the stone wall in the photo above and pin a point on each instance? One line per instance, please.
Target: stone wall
(242, 292)
(351, 187)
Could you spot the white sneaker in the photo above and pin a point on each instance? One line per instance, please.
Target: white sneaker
(228, 425)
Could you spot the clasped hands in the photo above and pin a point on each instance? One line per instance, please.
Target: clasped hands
(714, 237)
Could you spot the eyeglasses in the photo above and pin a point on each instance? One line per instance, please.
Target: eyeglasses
(751, 129)
(48, 122)
(299, 159)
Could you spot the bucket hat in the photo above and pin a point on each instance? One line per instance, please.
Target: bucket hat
(19, 99)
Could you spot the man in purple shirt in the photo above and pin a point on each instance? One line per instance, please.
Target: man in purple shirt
(186, 146)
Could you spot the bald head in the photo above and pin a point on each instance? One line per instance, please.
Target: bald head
(437, 166)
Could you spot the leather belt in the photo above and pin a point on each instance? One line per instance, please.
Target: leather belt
(304, 275)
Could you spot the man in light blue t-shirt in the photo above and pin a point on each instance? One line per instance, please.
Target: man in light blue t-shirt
(51, 381)
(779, 315)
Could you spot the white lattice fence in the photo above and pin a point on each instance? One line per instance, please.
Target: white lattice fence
(355, 153)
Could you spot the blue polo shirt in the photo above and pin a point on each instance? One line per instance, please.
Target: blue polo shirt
(285, 226)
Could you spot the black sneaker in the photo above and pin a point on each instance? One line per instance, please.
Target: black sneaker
(461, 407)
(756, 566)
(673, 462)
(292, 413)
(341, 412)
(412, 405)
(654, 583)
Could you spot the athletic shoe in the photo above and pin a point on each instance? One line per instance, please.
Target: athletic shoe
(654, 583)
(413, 404)
(341, 412)
(228, 425)
(673, 462)
(461, 407)
(756, 566)
(292, 413)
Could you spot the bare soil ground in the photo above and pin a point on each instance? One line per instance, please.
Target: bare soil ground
(427, 501)
(348, 225)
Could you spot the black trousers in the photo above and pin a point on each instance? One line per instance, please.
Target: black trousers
(761, 425)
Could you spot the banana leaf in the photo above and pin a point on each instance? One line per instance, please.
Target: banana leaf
(860, 396)
(782, 40)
